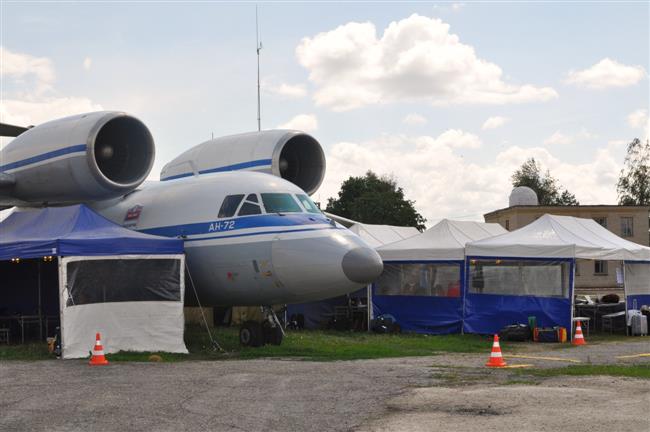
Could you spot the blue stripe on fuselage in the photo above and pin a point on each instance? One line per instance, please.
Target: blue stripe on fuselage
(240, 223)
(44, 156)
(234, 167)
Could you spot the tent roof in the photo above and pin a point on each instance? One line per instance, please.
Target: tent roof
(378, 235)
(444, 241)
(562, 237)
(74, 230)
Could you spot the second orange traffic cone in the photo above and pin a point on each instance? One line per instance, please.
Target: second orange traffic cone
(578, 338)
(496, 359)
(98, 359)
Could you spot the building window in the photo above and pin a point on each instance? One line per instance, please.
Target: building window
(600, 267)
(508, 224)
(627, 229)
(601, 221)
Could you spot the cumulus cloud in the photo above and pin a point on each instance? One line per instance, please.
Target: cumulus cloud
(434, 173)
(606, 73)
(414, 119)
(38, 101)
(88, 62)
(559, 138)
(301, 122)
(495, 122)
(415, 59)
(26, 69)
(639, 119)
(287, 90)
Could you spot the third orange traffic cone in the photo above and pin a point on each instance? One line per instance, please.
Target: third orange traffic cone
(578, 338)
(98, 359)
(496, 359)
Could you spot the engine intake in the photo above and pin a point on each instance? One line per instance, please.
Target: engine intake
(123, 151)
(293, 155)
(87, 157)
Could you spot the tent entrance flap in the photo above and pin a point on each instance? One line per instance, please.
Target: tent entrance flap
(134, 301)
(422, 296)
(501, 292)
(637, 284)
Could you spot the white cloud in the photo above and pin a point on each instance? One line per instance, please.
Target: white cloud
(287, 90)
(27, 69)
(88, 62)
(302, 122)
(37, 102)
(605, 74)
(495, 122)
(457, 6)
(416, 59)
(414, 119)
(559, 138)
(640, 119)
(434, 173)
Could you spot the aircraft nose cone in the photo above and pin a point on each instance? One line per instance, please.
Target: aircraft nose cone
(362, 265)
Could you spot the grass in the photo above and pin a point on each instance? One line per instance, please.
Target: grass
(305, 345)
(632, 371)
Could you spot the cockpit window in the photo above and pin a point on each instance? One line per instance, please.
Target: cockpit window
(229, 206)
(249, 209)
(250, 206)
(308, 204)
(280, 203)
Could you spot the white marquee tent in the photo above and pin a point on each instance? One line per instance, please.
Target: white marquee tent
(379, 235)
(444, 241)
(530, 271)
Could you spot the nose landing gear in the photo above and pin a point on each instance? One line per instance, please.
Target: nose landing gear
(269, 331)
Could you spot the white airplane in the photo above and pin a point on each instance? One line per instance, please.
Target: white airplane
(241, 203)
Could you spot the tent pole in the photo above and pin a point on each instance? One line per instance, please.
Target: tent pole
(369, 304)
(40, 307)
(625, 298)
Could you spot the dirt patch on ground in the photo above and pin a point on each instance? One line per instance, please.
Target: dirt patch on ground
(585, 403)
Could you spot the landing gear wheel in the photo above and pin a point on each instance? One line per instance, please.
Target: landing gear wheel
(273, 335)
(251, 334)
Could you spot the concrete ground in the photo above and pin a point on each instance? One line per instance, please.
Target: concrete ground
(441, 392)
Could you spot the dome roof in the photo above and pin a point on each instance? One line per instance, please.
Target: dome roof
(523, 195)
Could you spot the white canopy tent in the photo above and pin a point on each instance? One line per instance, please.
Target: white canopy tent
(379, 235)
(553, 236)
(534, 268)
(421, 285)
(444, 241)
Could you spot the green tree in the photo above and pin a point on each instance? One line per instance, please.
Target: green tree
(547, 188)
(375, 200)
(633, 186)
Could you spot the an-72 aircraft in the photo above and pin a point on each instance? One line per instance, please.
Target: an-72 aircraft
(241, 203)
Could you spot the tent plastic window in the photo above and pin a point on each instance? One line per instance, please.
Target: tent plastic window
(128, 280)
(637, 278)
(440, 280)
(525, 278)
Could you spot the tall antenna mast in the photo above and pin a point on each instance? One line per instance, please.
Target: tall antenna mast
(258, 47)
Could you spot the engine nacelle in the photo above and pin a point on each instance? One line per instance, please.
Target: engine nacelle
(86, 157)
(293, 155)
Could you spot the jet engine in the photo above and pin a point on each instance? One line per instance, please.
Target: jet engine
(86, 157)
(293, 155)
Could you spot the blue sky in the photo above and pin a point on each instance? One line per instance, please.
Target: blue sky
(188, 70)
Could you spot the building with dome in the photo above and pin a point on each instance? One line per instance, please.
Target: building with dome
(628, 222)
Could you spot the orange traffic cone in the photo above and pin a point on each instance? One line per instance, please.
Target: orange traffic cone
(98, 359)
(578, 338)
(496, 360)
